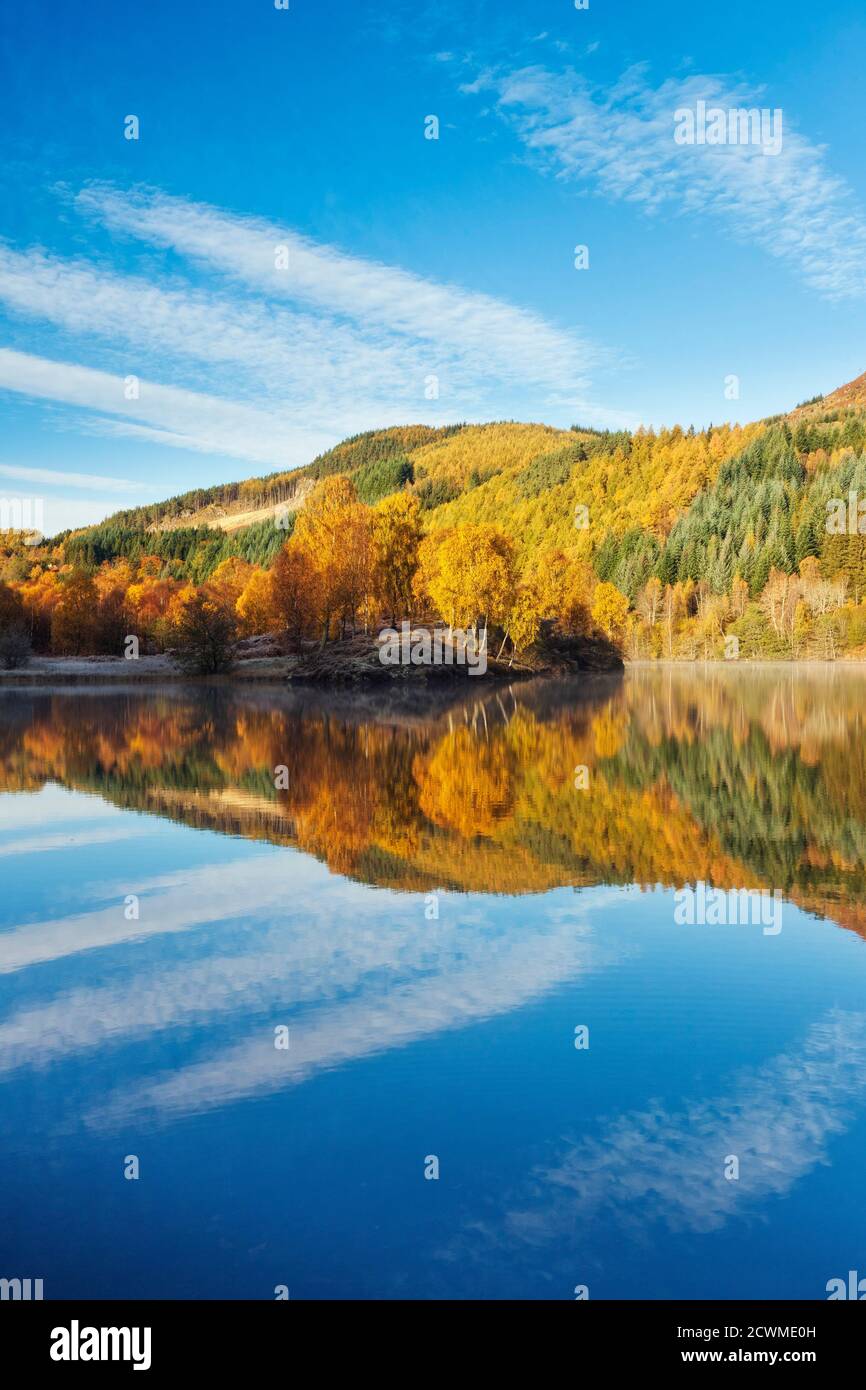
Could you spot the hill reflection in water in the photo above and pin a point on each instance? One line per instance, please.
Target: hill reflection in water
(738, 778)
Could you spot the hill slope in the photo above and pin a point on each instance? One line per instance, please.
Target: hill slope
(700, 532)
(683, 505)
(851, 396)
(528, 479)
(545, 487)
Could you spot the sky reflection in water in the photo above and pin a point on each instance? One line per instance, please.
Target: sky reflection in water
(450, 1034)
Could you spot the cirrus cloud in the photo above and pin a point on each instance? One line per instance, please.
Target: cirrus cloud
(619, 142)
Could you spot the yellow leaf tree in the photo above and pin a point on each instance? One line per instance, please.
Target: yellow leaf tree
(396, 540)
(609, 610)
(471, 576)
(73, 630)
(255, 605)
(333, 532)
(297, 603)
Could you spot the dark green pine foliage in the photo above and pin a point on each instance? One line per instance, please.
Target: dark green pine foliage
(379, 479)
(627, 561)
(187, 553)
(765, 512)
(549, 470)
(372, 447)
(743, 523)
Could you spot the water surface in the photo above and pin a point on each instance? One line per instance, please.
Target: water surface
(432, 897)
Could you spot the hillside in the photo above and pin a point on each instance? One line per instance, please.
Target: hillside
(851, 396)
(527, 478)
(671, 542)
(729, 500)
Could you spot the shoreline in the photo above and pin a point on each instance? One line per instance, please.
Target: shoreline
(71, 673)
(749, 663)
(349, 663)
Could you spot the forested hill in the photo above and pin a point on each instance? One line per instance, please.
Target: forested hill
(196, 531)
(676, 503)
(688, 531)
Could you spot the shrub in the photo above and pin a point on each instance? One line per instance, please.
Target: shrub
(206, 637)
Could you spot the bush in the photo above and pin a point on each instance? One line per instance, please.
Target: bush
(206, 637)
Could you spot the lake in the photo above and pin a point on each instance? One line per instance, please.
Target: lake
(403, 998)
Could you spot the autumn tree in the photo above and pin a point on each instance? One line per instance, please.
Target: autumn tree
(295, 581)
(113, 616)
(553, 586)
(431, 579)
(255, 606)
(649, 601)
(41, 594)
(822, 595)
(523, 619)
(357, 578)
(332, 531)
(229, 580)
(779, 602)
(580, 584)
(471, 575)
(154, 606)
(15, 644)
(73, 622)
(609, 610)
(397, 536)
(11, 607)
(739, 596)
(671, 610)
(206, 636)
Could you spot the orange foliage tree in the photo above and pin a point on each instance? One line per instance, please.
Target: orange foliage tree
(294, 587)
(73, 622)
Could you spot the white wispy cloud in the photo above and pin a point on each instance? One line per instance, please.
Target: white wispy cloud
(322, 969)
(48, 844)
(300, 359)
(172, 415)
(239, 358)
(52, 477)
(665, 1166)
(481, 335)
(53, 805)
(620, 143)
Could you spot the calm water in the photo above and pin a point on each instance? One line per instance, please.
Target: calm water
(431, 906)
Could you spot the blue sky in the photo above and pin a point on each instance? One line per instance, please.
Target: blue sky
(408, 259)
